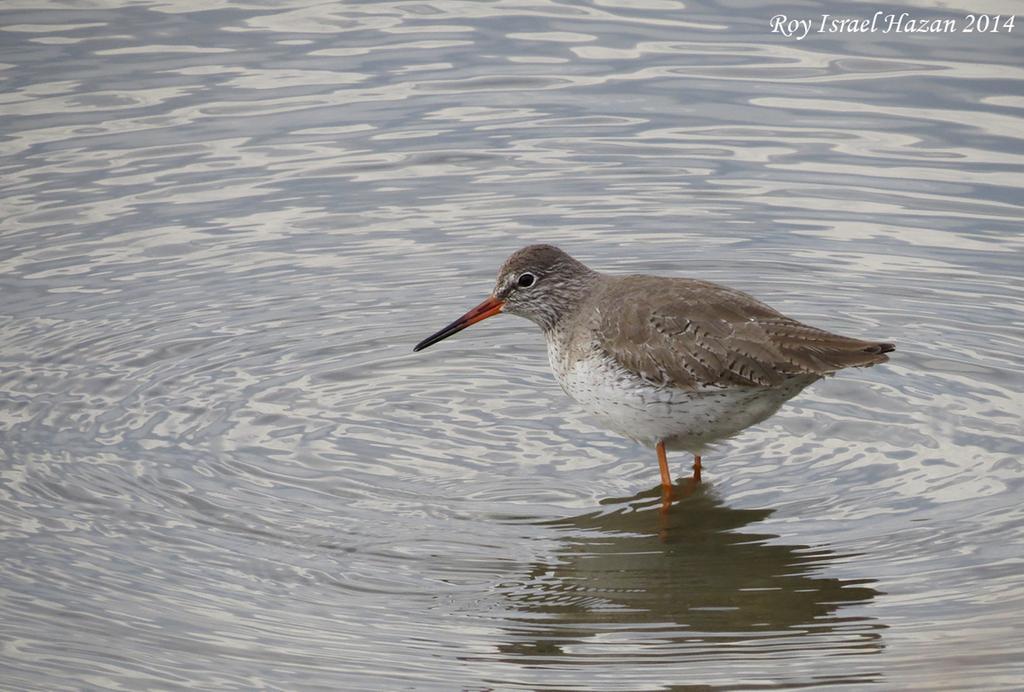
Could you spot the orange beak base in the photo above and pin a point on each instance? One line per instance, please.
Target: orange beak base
(489, 308)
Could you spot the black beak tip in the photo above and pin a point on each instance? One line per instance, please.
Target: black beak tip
(429, 341)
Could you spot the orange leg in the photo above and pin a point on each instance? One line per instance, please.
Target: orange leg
(696, 468)
(666, 479)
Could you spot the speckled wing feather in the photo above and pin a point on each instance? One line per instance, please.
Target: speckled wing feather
(687, 333)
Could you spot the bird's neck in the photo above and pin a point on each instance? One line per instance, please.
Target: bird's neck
(566, 301)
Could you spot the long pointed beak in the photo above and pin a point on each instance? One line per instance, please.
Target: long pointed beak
(490, 307)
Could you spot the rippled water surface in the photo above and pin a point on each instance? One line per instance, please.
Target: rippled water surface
(225, 224)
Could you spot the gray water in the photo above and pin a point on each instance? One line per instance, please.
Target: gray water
(225, 224)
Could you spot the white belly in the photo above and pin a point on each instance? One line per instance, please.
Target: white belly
(684, 419)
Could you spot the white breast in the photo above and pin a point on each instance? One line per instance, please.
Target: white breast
(687, 419)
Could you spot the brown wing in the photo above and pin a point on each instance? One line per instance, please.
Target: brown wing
(687, 333)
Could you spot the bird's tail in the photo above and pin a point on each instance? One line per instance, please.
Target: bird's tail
(880, 347)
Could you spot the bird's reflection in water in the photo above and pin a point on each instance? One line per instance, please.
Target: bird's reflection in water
(689, 579)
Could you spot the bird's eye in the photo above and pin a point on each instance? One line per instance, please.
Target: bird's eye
(526, 280)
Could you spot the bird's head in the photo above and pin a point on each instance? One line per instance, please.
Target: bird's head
(538, 282)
